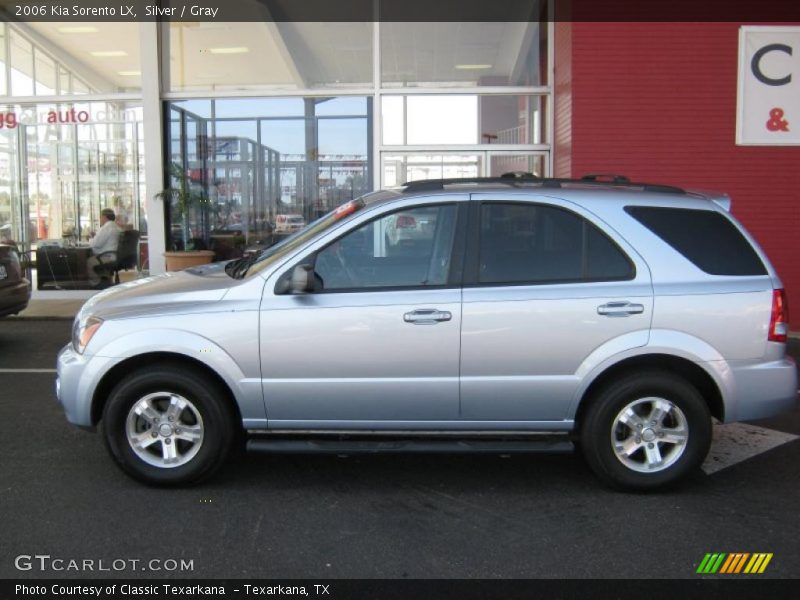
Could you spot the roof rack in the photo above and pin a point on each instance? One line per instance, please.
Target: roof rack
(515, 178)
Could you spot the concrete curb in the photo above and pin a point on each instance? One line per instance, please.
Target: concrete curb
(51, 309)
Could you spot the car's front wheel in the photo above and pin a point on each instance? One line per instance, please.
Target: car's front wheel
(646, 430)
(169, 426)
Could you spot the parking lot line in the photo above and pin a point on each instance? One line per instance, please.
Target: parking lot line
(27, 370)
(736, 442)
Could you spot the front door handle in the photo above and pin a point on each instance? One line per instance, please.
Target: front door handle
(620, 309)
(427, 316)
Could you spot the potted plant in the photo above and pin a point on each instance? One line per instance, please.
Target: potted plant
(184, 198)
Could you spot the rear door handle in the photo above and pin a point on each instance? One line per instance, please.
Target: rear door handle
(620, 309)
(427, 316)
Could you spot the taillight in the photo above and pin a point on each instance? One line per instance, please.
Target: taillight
(14, 266)
(779, 320)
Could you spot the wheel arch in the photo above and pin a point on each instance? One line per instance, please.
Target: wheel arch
(134, 363)
(701, 379)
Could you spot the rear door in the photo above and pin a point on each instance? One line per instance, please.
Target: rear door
(549, 291)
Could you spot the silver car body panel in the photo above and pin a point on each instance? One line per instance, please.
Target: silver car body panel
(350, 357)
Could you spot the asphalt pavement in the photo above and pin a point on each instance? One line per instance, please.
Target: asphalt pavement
(384, 516)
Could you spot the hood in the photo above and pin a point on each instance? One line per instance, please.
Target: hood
(192, 290)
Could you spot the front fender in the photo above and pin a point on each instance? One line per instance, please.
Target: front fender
(246, 390)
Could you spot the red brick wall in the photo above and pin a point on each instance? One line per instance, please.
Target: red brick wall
(657, 102)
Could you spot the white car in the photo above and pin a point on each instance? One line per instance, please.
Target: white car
(289, 223)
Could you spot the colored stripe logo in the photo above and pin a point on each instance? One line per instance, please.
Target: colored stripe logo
(734, 563)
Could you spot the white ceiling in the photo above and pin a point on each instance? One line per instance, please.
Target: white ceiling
(75, 49)
(429, 52)
(297, 55)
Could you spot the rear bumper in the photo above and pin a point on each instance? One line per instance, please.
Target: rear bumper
(14, 298)
(763, 390)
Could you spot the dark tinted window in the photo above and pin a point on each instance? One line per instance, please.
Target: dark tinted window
(533, 243)
(410, 248)
(706, 238)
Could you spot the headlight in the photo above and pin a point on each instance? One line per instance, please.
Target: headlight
(82, 332)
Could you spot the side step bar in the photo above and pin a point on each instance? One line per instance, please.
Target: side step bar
(559, 443)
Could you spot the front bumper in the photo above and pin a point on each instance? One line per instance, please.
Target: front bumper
(76, 380)
(763, 390)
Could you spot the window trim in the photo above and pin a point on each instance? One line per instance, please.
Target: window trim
(455, 273)
(472, 266)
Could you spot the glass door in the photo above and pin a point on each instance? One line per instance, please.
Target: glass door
(400, 167)
(516, 162)
(397, 168)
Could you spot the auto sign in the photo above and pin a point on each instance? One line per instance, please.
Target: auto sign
(3, 272)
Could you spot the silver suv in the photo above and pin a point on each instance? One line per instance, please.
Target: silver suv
(528, 314)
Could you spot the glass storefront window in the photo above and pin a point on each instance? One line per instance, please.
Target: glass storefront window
(3, 65)
(268, 56)
(45, 74)
(60, 165)
(11, 221)
(278, 157)
(52, 58)
(401, 168)
(519, 162)
(21, 59)
(463, 119)
(463, 54)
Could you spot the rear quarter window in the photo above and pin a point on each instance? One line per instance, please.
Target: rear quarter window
(706, 238)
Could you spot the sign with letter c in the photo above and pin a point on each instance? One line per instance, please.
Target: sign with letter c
(768, 99)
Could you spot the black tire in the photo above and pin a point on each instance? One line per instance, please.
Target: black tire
(220, 430)
(600, 426)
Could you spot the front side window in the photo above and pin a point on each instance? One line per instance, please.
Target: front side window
(533, 243)
(408, 248)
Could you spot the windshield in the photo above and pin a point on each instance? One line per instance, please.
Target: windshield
(281, 249)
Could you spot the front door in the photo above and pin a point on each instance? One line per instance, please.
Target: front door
(378, 341)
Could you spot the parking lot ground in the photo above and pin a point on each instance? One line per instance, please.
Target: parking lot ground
(383, 516)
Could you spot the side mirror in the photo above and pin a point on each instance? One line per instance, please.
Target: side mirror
(302, 280)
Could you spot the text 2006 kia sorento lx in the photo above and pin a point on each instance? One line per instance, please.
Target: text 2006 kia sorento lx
(513, 314)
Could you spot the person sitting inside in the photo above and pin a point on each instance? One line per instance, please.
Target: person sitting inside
(104, 249)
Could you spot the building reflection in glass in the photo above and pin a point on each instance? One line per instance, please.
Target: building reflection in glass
(268, 165)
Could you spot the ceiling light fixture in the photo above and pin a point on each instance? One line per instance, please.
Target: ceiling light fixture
(129, 73)
(77, 29)
(108, 53)
(231, 50)
(473, 67)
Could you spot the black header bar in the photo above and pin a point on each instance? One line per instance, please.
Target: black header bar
(763, 11)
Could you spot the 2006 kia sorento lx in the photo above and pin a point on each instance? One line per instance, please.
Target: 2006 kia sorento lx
(523, 315)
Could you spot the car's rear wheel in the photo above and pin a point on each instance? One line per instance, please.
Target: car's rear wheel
(169, 426)
(646, 431)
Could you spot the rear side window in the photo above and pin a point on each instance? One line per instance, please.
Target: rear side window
(704, 237)
(533, 243)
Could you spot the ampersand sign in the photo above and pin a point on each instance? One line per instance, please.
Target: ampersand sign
(776, 121)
